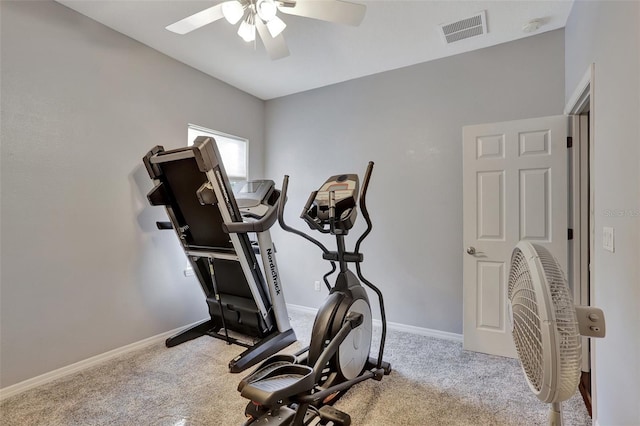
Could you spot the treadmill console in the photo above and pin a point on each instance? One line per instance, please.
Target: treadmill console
(253, 197)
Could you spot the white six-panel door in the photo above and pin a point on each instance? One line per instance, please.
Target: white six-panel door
(515, 188)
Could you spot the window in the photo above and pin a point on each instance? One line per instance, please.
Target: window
(233, 151)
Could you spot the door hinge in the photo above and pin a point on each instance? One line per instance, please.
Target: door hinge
(570, 234)
(569, 142)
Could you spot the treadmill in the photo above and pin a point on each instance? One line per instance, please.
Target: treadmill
(246, 305)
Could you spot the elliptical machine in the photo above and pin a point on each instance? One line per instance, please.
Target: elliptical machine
(300, 389)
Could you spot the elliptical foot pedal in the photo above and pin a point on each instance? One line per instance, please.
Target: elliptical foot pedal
(279, 384)
(329, 413)
(267, 367)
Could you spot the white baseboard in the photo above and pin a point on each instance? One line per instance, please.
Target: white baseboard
(301, 309)
(84, 364)
(421, 331)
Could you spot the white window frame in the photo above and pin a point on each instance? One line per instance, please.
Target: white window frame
(220, 138)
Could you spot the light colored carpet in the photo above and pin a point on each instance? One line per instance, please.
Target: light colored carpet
(434, 382)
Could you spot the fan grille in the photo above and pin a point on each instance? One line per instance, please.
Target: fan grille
(552, 365)
(526, 320)
(566, 324)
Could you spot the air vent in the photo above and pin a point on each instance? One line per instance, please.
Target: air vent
(465, 28)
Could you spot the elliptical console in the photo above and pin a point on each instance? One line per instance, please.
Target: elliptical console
(333, 205)
(294, 389)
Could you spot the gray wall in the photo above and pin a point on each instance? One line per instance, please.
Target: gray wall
(83, 269)
(409, 121)
(608, 34)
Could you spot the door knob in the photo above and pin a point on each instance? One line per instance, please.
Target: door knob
(471, 250)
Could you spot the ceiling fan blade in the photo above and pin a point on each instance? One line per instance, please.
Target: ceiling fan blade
(276, 46)
(197, 20)
(337, 11)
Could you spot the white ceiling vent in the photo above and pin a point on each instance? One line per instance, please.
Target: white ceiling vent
(469, 27)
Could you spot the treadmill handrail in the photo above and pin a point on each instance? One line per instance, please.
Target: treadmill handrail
(259, 225)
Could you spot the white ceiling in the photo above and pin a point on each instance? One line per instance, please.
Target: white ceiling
(393, 34)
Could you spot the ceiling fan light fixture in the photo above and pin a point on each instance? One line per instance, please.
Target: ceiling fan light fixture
(233, 11)
(266, 9)
(276, 26)
(247, 31)
(261, 16)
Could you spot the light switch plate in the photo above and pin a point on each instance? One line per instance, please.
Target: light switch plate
(607, 239)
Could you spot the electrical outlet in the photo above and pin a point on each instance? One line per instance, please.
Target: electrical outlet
(188, 271)
(316, 285)
(607, 239)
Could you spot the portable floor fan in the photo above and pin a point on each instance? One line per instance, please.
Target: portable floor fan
(261, 15)
(547, 326)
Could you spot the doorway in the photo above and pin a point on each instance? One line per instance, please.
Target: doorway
(486, 196)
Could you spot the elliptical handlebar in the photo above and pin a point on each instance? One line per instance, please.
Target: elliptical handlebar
(305, 214)
(283, 201)
(363, 206)
(367, 218)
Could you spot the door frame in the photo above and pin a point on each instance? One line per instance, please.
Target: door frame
(581, 106)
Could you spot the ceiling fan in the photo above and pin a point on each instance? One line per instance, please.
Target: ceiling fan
(261, 15)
